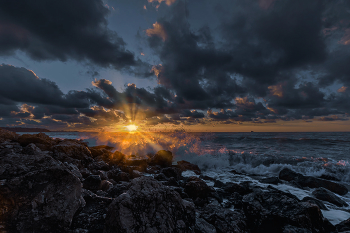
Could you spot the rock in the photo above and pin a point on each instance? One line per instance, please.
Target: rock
(106, 185)
(153, 169)
(262, 208)
(293, 229)
(162, 158)
(325, 195)
(103, 151)
(242, 188)
(31, 149)
(118, 189)
(224, 220)
(118, 175)
(116, 158)
(203, 226)
(219, 184)
(92, 182)
(207, 178)
(161, 177)
(99, 165)
(72, 151)
(184, 166)
(316, 202)
(91, 217)
(271, 180)
(6, 135)
(312, 182)
(343, 226)
(196, 187)
(329, 177)
(37, 194)
(137, 164)
(148, 206)
(172, 172)
(41, 140)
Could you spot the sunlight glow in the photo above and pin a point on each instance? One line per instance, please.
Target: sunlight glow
(131, 127)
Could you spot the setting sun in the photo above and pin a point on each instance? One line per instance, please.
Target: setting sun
(131, 127)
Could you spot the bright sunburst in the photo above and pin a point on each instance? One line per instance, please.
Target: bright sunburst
(131, 128)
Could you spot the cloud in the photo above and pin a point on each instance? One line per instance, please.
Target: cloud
(157, 30)
(62, 30)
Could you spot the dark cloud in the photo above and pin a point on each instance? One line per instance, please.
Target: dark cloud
(62, 30)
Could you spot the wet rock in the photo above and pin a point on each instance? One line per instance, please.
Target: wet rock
(37, 194)
(6, 135)
(219, 184)
(316, 202)
(116, 158)
(161, 177)
(184, 166)
(106, 185)
(242, 188)
(92, 182)
(118, 189)
(172, 172)
(162, 158)
(312, 182)
(31, 149)
(149, 206)
(203, 226)
(41, 140)
(207, 178)
(271, 180)
(196, 187)
(136, 174)
(153, 169)
(224, 220)
(325, 195)
(262, 208)
(343, 226)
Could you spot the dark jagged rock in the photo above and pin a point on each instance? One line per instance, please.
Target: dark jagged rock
(72, 151)
(137, 164)
(119, 176)
(343, 226)
(118, 189)
(116, 158)
(219, 184)
(196, 187)
(161, 177)
(271, 180)
(6, 135)
(203, 226)
(172, 172)
(326, 195)
(184, 166)
(162, 158)
(149, 206)
(207, 178)
(41, 140)
(224, 220)
(262, 208)
(91, 217)
(329, 177)
(99, 165)
(105, 185)
(293, 229)
(103, 151)
(312, 182)
(316, 202)
(242, 188)
(92, 182)
(37, 194)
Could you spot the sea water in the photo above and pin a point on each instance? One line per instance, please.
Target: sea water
(259, 155)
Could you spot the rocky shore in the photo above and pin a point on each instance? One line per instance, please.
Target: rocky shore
(55, 185)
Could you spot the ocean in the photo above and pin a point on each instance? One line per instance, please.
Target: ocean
(252, 156)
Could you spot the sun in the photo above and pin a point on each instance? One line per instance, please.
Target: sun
(131, 128)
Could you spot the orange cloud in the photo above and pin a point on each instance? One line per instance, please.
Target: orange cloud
(345, 40)
(157, 30)
(342, 89)
(168, 2)
(276, 90)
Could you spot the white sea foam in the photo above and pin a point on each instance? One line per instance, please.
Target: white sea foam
(335, 216)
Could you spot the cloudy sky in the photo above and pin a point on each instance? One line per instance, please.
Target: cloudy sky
(201, 65)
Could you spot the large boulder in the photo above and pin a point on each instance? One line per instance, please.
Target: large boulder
(196, 187)
(37, 194)
(72, 151)
(6, 135)
(273, 211)
(41, 140)
(162, 158)
(149, 206)
(312, 182)
(184, 166)
(325, 195)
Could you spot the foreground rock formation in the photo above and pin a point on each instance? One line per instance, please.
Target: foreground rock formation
(54, 185)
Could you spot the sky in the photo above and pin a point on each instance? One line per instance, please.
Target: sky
(197, 65)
